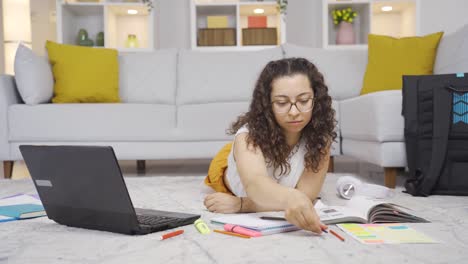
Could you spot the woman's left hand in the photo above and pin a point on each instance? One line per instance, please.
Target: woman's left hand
(222, 203)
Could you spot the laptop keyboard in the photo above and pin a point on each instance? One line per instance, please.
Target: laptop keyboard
(154, 220)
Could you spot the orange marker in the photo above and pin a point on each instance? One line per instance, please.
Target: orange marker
(230, 233)
(172, 234)
(336, 234)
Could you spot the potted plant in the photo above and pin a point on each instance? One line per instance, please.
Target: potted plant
(344, 19)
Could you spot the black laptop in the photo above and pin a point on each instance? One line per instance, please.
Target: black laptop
(82, 186)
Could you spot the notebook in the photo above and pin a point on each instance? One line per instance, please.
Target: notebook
(22, 211)
(20, 206)
(385, 233)
(254, 222)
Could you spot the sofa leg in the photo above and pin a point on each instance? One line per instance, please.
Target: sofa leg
(390, 177)
(141, 166)
(8, 168)
(331, 164)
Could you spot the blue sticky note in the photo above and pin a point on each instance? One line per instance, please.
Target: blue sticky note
(460, 75)
(398, 227)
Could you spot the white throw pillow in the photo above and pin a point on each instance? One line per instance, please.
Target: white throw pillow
(33, 76)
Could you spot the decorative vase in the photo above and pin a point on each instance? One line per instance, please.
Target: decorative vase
(100, 39)
(132, 41)
(82, 36)
(345, 34)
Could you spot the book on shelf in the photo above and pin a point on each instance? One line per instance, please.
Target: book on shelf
(20, 206)
(357, 210)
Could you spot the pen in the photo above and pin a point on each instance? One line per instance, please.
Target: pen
(336, 234)
(273, 218)
(230, 233)
(172, 234)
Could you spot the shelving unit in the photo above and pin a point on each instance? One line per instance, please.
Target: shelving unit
(231, 28)
(401, 21)
(109, 16)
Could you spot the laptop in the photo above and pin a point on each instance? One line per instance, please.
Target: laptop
(82, 186)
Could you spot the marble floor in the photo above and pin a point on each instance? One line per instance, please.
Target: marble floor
(368, 172)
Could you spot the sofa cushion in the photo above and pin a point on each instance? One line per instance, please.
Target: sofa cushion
(452, 54)
(373, 117)
(33, 76)
(217, 118)
(91, 122)
(84, 74)
(148, 77)
(343, 70)
(220, 76)
(390, 58)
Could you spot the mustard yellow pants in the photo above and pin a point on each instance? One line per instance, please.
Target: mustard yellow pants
(215, 177)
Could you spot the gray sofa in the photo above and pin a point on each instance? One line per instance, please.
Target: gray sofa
(177, 104)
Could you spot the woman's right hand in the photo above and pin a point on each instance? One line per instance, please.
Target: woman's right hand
(300, 212)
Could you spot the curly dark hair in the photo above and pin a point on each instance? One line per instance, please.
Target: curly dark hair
(265, 132)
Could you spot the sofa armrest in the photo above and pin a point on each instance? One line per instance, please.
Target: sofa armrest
(374, 117)
(8, 96)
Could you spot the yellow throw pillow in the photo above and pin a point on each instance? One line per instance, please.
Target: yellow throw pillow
(390, 58)
(83, 74)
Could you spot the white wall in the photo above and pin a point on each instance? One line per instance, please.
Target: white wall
(2, 57)
(172, 24)
(443, 15)
(304, 22)
(43, 27)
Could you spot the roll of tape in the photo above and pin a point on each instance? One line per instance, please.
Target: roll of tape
(348, 186)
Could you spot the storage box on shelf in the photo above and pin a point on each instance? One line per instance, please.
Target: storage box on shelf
(400, 21)
(125, 24)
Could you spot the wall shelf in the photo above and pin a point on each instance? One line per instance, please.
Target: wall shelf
(401, 21)
(108, 16)
(232, 17)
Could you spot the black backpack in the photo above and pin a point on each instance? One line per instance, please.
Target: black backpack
(435, 109)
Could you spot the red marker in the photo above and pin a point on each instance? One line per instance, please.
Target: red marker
(172, 234)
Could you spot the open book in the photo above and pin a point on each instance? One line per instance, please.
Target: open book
(363, 210)
(358, 210)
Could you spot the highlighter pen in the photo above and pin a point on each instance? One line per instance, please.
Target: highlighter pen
(172, 234)
(242, 230)
(230, 233)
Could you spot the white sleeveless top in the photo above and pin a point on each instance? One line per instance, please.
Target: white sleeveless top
(288, 180)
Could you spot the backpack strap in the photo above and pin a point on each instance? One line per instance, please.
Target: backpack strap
(442, 99)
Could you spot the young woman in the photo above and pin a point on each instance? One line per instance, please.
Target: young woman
(281, 150)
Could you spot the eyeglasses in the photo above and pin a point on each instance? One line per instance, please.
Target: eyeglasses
(303, 105)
